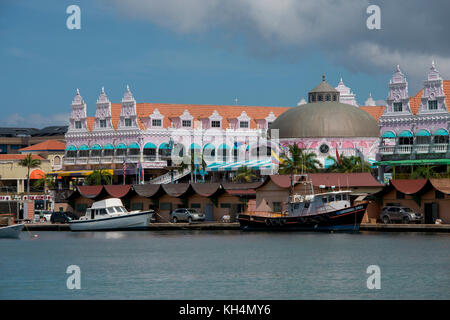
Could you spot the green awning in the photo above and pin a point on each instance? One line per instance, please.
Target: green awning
(405, 134)
(223, 146)
(83, 147)
(108, 146)
(96, 147)
(164, 146)
(209, 146)
(134, 145)
(388, 134)
(71, 148)
(149, 145)
(194, 146)
(121, 146)
(423, 133)
(440, 132)
(413, 162)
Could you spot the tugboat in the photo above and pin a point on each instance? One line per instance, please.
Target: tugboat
(110, 214)
(330, 211)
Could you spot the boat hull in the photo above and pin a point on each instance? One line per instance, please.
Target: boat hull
(11, 232)
(131, 221)
(347, 219)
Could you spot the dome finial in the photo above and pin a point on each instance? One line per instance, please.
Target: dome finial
(323, 77)
(78, 92)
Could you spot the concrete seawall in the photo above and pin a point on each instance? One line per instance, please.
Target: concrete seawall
(235, 226)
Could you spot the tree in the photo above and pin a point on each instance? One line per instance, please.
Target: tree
(45, 180)
(29, 163)
(299, 161)
(423, 172)
(99, 177)
(245, 174)
(349, 164)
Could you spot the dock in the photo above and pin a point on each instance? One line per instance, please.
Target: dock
(235, 226)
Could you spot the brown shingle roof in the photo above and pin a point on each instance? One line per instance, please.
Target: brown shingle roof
(408, 186)
(362, 179)
(118, 191)
(443, 185)
(19, 157)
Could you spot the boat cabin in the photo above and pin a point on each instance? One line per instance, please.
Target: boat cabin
(105, 208)
(319, 203)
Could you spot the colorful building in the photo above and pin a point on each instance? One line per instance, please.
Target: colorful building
(129, 135)
(415, 130)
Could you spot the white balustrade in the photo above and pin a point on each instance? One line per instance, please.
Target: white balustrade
(440, 148)
(404, 149)
(421, 148)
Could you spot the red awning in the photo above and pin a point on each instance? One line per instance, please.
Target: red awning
(176, 189)
(37, 174)
(147, 190)
(242, 192)
(118, 191)
(90, 192)
(206, 189)
(409, 186)
(443, 185)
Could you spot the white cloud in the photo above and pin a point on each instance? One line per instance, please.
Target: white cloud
(413, 31)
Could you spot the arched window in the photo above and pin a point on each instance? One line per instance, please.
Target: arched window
(320, 97)
(328, 97)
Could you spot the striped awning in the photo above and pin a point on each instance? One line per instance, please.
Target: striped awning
(234, 166)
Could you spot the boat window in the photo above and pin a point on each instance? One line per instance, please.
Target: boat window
(307, 205)
(111, 210)
(325, 199)
(119, 209)
(338, 197)
(102, 211)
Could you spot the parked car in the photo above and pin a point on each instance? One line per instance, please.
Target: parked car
(59, 217)
(184, 214)
(399, 213)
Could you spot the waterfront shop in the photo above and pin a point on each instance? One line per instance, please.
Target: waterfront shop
(214, 199)
(430, 197)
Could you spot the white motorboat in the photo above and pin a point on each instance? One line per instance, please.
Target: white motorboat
(12, 231)
(110, 214)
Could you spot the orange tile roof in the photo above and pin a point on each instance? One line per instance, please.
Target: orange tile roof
(46, 146)
(197, 111)
(19, 157)
(414, 102)
(446, 86)
(375, 111)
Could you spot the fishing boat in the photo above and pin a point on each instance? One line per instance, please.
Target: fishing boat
(328, 211)
(13, 231)
(110, 214)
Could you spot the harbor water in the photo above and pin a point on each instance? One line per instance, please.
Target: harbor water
(225, 265)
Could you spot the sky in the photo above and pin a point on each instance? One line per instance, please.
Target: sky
(260, 52)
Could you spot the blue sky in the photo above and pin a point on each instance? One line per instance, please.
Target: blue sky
(43, 62)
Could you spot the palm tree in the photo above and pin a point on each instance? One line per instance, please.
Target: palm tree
(99, 177)
(245, 174)
(45, 180)
(29, 163)
(349, 164)
(299, 161)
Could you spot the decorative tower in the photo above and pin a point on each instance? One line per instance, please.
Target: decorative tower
(346, 96)
(370, 102)
(103, 112)
(433, 97)
(128, 115)
(324, 92)
(398, 98)
(77, 120)
(301, 102)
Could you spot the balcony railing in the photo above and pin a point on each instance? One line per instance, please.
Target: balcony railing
(82, 160)
(119, 159)
(94, 160)
(69, 161)
(440, 148)
(387, 149)
(422, 148)
(404, 149)
(108, 159)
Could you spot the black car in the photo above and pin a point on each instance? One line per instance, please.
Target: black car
(59, 217)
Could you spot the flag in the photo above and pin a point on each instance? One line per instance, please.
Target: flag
(124, 164)
(141, 172)
(338, 157)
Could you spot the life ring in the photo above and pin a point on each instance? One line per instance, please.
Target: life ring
(268, 222)
(282, 222)
(275, 222)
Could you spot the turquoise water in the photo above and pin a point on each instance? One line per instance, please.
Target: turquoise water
(225, 265)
